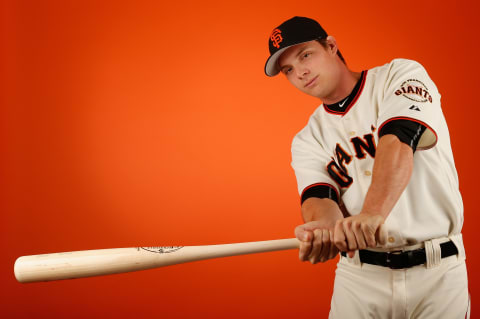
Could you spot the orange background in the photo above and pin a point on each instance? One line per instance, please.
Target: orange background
(151, 124)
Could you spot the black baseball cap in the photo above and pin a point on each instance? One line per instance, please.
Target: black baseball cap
(291, 32)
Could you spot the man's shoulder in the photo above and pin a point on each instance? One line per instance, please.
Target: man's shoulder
(395, 72)
(396, 64)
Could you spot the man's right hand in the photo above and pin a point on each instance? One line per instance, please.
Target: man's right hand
(316, 242)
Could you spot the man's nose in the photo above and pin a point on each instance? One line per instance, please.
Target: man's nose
(302, 72)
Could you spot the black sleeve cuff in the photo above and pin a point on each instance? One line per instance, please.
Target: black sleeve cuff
(408, 132)
(320, 191)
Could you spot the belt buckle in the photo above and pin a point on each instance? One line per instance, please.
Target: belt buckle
(392, 260)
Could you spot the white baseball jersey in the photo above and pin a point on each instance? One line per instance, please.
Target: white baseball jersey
(337, 150)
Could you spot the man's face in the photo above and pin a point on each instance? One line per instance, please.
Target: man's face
(311, 68)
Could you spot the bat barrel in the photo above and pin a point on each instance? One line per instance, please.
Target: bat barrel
(79, 264)
(88, 263)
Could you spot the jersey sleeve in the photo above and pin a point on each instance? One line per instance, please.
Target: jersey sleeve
(407, 131)
(309, 161)
(410, 95)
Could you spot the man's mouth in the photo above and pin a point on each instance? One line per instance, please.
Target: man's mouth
(311, 82)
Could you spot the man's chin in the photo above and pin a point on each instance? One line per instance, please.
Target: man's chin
(313, 93)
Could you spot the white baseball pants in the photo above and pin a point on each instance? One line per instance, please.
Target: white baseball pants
(369, 291)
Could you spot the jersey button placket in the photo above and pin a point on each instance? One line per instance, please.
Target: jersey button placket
(349, 133)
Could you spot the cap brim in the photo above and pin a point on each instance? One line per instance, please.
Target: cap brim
(271, 67)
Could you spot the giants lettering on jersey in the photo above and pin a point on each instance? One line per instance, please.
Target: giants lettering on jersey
(338, 169)
(414, 90)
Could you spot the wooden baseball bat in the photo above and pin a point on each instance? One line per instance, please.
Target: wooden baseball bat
(99, 262)
(89, 263)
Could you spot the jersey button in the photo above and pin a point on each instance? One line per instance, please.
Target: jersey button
(368, 173)
(391, 239)
(352, 133)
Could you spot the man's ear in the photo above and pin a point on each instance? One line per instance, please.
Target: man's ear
(331, 45)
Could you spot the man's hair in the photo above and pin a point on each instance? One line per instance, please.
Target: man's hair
(323, 42)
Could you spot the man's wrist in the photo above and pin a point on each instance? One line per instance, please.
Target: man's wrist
(373, 212)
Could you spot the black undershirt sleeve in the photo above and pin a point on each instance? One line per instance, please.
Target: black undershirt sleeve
(320, 191)
(408, 132)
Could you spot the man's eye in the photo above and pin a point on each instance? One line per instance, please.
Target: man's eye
(287, 70)
(306, 55)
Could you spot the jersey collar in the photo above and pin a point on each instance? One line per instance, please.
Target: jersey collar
(344, 105)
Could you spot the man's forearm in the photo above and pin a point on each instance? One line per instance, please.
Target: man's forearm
(324, 210)
(391, 173)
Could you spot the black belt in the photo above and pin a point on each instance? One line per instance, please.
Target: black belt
(402, 259)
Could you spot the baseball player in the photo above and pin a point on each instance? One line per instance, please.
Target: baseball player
(375, 155)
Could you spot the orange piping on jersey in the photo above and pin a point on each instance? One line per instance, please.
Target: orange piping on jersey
(413, 120)
(318, 184)
(358, 93)
(360, 90)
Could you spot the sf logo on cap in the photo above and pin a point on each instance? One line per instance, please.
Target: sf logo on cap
(276, 38)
